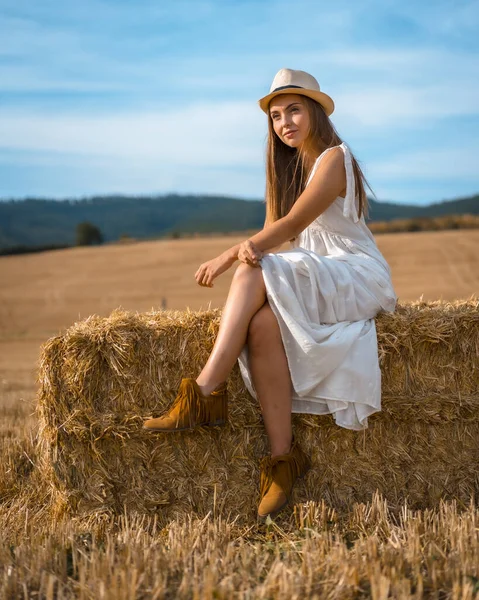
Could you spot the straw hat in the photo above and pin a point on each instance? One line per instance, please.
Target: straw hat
(289, 81)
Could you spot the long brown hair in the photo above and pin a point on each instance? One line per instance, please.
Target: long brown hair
(286, 171)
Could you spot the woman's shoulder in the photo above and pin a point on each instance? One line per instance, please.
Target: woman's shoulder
(340, 150)
(324, 152)
(322, 155)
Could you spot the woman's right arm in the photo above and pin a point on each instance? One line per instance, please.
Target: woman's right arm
(209, 270)
(233, 251)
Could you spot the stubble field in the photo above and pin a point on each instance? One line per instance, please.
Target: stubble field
(43, 294)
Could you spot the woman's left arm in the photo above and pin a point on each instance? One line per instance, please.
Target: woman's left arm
(325, 186)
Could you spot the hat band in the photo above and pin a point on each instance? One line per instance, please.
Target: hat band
(285, 87)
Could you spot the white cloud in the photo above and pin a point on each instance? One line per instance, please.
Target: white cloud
(404, 63)
(24, 78)
(213, 134)
(406, 107)
(135, 95)
(404, 87)
(444, 163)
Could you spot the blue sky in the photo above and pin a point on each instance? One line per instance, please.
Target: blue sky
(100, 97)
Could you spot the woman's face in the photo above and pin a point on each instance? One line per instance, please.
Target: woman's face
(290, 119)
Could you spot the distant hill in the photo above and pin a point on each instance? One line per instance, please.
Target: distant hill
(387, 211)
(37, 222)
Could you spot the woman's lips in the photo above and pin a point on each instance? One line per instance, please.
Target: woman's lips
(289, 134)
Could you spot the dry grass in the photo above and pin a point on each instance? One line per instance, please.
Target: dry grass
(465, 221)
(105, 375)
(316, 553)
(372, 550)
(329, 545)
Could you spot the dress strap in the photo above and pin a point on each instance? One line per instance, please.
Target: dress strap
(349, 210)
(316, 164)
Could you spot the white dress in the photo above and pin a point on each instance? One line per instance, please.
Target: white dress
(325, 293)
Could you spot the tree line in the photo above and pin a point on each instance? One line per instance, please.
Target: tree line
(86, 234)
(89, 234)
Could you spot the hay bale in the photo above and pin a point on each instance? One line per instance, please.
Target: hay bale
(104, 376)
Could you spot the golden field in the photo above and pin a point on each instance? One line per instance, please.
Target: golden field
(42, 294)
(316, 552)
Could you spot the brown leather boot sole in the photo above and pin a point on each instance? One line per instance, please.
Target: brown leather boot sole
(166, 430)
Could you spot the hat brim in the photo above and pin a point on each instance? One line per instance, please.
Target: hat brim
(320, 97)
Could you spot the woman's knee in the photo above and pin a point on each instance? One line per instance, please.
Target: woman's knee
(263, 327)
(245, 270)
(249, 275)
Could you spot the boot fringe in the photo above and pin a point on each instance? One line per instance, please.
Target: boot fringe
(212, 411)
(186, 399)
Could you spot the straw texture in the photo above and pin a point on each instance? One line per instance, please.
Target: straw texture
(104, 376)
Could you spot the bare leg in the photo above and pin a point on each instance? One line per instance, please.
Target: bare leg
(271, 378)
(247, 294)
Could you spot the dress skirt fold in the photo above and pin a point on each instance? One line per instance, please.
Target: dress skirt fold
(330, 349)
(325, 293)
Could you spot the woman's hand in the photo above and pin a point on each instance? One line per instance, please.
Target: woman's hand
(249, 253)
(209, 270)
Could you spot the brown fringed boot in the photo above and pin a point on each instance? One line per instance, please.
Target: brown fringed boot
(277, 478)
(191, 409)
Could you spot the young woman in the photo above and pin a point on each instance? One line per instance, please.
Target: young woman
(300, 322)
